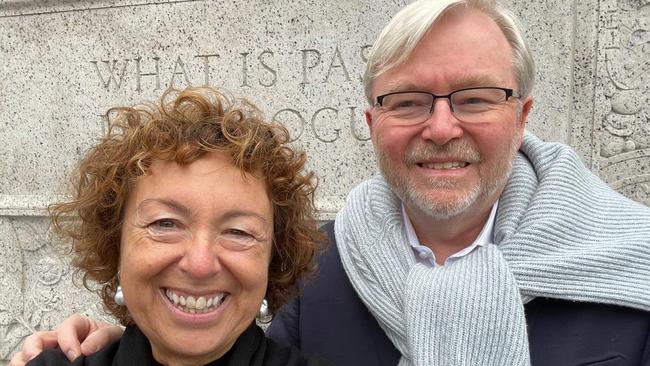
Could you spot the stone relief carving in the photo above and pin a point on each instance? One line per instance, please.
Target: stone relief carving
(37, 283)
(625, 134)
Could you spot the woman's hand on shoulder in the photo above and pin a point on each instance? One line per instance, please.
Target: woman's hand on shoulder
(33, 346)
(76, 335)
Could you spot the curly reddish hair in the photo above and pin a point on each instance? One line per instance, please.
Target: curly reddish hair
(183, 127)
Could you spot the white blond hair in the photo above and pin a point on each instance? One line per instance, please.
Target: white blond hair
(402, 34)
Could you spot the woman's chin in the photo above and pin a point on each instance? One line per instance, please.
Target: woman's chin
(194, 336)
(191, 347)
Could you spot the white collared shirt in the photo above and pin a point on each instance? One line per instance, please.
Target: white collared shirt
(424, 255)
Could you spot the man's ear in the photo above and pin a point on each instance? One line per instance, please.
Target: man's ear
(368, 113)
(521, 123)
(525, 109)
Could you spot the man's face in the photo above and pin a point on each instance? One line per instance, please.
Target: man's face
(443, 167)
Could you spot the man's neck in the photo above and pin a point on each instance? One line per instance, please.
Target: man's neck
(449, 236)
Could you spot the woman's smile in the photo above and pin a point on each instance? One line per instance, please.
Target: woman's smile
(195, 304)
(195, 309)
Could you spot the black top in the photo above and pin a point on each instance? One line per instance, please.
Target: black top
(251, 348)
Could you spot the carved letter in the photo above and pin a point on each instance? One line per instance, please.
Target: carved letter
(296, 113)
(206, 66)
(313, 124)
(104, 123)
(364, 57)
(337, 54)
(364, 52)
(264, 65)
(353, 125)
(244, 68)
(111, 73)
(139, 74)
(179, 62)
(304, 63)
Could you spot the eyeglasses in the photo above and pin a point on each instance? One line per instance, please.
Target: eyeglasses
(470, 105)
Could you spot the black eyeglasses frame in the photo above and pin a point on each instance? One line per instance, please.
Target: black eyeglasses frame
(509, 93)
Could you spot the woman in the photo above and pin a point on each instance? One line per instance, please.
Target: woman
(190, 214)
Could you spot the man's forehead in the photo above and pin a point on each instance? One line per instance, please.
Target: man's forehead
(468, 80)
(464, 48)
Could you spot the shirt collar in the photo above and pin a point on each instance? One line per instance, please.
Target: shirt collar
(485, 237)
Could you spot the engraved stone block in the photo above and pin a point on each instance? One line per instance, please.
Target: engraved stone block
(65, 62)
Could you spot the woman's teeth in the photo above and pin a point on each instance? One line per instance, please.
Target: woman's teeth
(193, 305)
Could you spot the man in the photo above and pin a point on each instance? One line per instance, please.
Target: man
(478, 244)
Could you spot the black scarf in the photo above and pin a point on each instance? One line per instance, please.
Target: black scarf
(133, 349)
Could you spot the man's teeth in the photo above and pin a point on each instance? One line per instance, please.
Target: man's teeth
(445, 165)
(191, 304)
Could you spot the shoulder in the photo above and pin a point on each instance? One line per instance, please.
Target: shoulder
(253, 348)
(289, 356)
(285, 327)
(56, 357)
(329, 260)
(132, 347)
(331, 279)
(53, 357)
(562, 331)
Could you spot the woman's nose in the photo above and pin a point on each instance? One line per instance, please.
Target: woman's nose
(200, 258)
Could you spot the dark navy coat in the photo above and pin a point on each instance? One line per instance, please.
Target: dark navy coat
(329, 319)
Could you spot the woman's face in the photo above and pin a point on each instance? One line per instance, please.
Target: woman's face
(195, 250)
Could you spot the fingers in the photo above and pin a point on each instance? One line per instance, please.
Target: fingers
(19, 359)
(75, 334)
(33, 346)
(79, 334)
(100, 338)
(72, 332)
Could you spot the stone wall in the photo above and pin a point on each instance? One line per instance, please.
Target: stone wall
(63, 63)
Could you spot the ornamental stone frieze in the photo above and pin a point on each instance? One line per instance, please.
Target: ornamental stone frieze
(624, 73)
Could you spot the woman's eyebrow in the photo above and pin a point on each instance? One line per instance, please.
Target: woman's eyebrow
(185, 211)
(170, 203)
(244, 213)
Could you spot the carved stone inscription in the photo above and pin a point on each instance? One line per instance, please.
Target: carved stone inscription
(252, 69)
(261, 69)
(62, 69)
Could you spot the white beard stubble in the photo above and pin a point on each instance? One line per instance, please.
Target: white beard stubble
(425, 200)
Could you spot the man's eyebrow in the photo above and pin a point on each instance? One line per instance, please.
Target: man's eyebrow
(469, 81)
(398, 86)
(466, 81)
(174, 205)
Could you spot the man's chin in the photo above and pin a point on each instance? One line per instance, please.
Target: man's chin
(442, 204)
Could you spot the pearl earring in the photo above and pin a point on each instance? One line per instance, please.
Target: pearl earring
(264, 310)
(119, 295)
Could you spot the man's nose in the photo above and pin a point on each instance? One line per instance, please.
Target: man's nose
(441, 126)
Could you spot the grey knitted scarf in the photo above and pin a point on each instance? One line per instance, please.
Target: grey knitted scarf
(560, 232)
